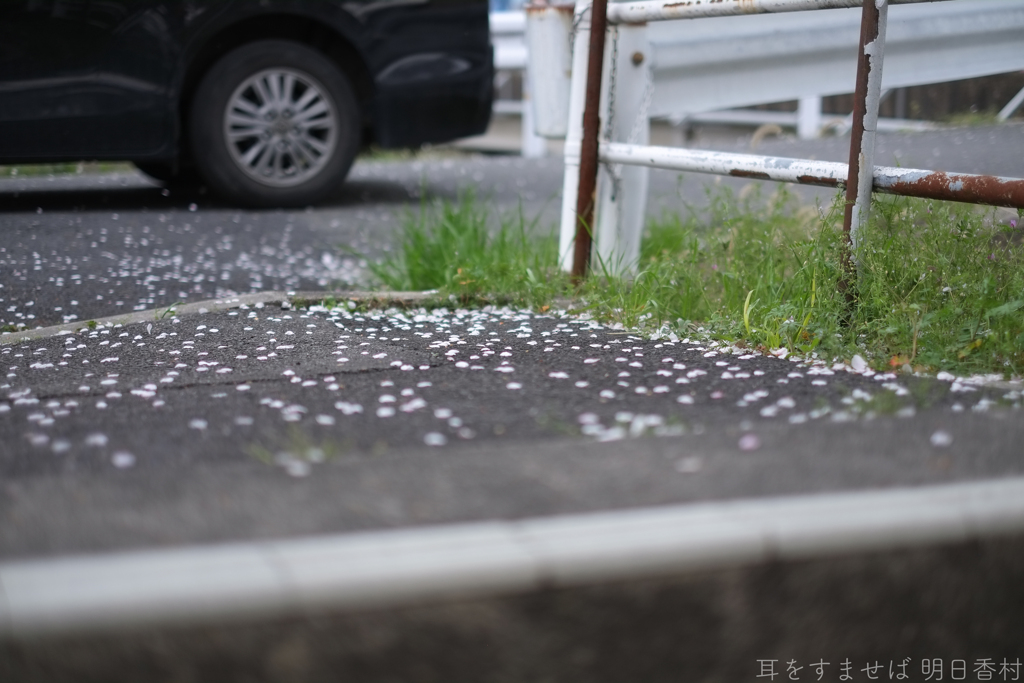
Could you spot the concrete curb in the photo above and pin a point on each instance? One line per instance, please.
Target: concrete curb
(375, 299)
(425, 565)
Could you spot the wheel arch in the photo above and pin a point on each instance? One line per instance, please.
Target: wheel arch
(305, 30)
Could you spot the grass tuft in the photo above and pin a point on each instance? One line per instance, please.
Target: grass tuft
(453, 247)
(43, 170)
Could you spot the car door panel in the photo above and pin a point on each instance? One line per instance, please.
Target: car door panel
(84, 78)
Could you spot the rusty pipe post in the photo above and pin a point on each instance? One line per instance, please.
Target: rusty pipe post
(862, 138)
(587, 188)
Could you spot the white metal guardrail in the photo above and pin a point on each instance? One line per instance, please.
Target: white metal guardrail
(703, 70)
(945, 44)
(725, 62)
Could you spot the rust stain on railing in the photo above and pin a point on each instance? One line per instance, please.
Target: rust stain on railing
(755, 175)
(542, 8)
(974, 189)
(822, 181)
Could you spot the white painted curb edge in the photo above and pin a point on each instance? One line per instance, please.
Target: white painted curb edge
(181, 310)
(405, 567)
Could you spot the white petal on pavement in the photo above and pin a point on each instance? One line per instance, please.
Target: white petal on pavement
(749, 442)
(435, 439)
(122, 459)
(98, 440)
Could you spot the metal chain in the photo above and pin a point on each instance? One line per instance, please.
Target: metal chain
(614, 170)
(641, 117)
(612, 77)
(577, 19)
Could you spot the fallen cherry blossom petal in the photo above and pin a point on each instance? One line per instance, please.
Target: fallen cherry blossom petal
(749, 442)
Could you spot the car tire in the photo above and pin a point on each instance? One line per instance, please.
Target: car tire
(274, 123)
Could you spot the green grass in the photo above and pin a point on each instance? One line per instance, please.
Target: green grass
(452, 247)
(41, 170)
(428, 152)
(940, 286)
(973, 118)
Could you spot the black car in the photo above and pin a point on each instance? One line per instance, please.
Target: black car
(268, 100)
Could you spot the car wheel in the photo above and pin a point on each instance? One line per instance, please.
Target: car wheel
(274, 123)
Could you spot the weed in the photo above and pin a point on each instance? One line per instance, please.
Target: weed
(170, 310)
(297, 448)
(940, 285)
(555, 424)
(38, 170)
(751, 270)
(973, 118)
(885, 403)
(452, 248)
(378, 154)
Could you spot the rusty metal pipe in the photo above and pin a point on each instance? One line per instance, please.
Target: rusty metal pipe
(586, 194)
(953, 187)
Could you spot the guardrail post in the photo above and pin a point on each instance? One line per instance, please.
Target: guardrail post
(808, 117)
(533, 146)
(622, 190)
(862, 137)
(549, 66)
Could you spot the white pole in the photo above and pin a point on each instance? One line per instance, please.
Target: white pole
(533, 145)
(574, 134)
(808, 118)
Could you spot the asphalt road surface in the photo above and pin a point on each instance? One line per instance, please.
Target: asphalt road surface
(248, 423)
